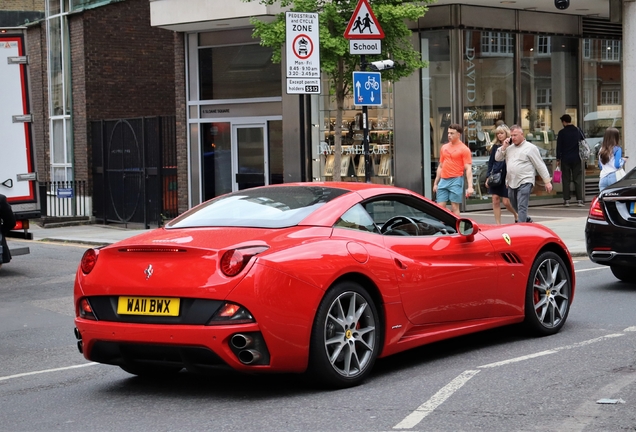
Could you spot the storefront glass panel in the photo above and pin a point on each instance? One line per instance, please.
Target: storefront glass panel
(352, 166)
(436, 97)
(487, 96)
(216, 154)
(549, 89)
(602, 95)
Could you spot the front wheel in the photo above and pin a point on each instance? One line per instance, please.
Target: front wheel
(625, 274)
(345, 339)
(548, 294)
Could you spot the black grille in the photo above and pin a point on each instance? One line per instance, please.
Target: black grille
(122, 354)
(193, 311)
(602, 29)
(511, 258)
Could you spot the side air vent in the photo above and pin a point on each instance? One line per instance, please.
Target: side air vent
(601, 28)
(511, 258)
(151, 249)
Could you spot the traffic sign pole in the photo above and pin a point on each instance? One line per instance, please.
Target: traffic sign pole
(365, 130)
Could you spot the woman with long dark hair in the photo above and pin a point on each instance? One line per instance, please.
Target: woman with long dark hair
(610, 158)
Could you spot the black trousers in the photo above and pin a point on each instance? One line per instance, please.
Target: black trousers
(572, 173)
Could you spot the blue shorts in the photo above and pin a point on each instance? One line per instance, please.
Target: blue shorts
(450, 189)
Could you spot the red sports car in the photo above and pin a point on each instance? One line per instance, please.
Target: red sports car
(313, 277)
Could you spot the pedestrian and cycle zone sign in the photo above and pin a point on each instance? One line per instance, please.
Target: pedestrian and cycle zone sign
(303, 52)
(367, 88)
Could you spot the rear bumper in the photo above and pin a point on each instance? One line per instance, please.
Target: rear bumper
(190, 346)
(610, 245)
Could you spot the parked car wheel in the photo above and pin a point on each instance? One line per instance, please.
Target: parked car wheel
(625, 274)
(548, 294)
(345, 339)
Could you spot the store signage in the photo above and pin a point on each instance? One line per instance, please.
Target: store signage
(363, 23)
(365, 46)
(471, 95)
(303, 52)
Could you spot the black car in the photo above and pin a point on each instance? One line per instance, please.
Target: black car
(610, 231)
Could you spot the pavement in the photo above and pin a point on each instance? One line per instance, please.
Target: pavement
(567, 223)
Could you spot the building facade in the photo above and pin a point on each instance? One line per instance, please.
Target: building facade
(234, 126)
(486, 65)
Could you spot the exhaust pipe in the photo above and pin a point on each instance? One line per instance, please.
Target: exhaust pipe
(77, 333)
(80, 346)
(240, 341)
(249, 356)
(603, 255)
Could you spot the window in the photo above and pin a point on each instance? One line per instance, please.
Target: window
(610, 97)
(610, 50)
(587, 48)
(497, 43)
(544, 46)
(405, 216)
(236, 72)
(59, 75)
(357, 218)
(544, 96)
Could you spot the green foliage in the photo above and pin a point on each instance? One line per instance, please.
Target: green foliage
(335, 59)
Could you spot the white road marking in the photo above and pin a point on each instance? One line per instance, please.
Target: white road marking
(438, 398)
(630, 329)
(447, 391)
(518, 359)
(5, 378)
(590, 269)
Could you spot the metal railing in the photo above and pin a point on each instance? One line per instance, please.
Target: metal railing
(64, 198)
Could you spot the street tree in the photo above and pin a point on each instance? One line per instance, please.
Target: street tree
(335, 61)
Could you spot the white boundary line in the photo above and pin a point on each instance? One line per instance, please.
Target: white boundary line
(415, 417)
(5, 378)
(438, 398)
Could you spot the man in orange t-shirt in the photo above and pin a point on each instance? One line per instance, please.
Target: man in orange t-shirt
(454, 160)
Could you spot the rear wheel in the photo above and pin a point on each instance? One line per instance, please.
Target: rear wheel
(548, 294)
(345, 339)
(624, 273)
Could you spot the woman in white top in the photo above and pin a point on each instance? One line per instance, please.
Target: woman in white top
(609, 158)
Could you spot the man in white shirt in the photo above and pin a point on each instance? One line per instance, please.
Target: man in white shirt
(523, 161)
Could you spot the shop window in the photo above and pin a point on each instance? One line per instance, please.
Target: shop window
(352, 158)
(238, 72)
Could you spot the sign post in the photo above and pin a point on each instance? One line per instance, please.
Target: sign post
(365, 34)
(303, 53)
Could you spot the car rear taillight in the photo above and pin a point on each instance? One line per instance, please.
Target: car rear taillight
(85, 309)
(596, 212)
(89, 260)
(235, 260)
(21, 225)
(231, 313)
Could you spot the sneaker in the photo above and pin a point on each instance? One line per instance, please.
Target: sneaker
(566, 204)
(580, 204)
(529, 220)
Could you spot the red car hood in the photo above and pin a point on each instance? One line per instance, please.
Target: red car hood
(185, 262)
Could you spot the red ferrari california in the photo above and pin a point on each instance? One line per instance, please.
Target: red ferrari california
(322, 278)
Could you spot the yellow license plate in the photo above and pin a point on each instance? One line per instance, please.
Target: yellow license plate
(156, 306)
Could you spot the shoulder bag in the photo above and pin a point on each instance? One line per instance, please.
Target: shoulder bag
(494, 179)
(584, 148)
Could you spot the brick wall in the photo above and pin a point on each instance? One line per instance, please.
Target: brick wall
(129, 65)
(38, 82)
(22, 5)
(181, 121)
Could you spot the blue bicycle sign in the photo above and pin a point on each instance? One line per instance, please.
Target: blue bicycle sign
(367, 88)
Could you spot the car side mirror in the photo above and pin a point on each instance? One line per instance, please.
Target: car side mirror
(466, 227)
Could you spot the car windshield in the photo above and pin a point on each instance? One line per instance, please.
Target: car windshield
(267, 207)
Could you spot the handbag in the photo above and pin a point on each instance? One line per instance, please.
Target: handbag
(584, 147)
(556, 175)
(620, 173)
(494, 179)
